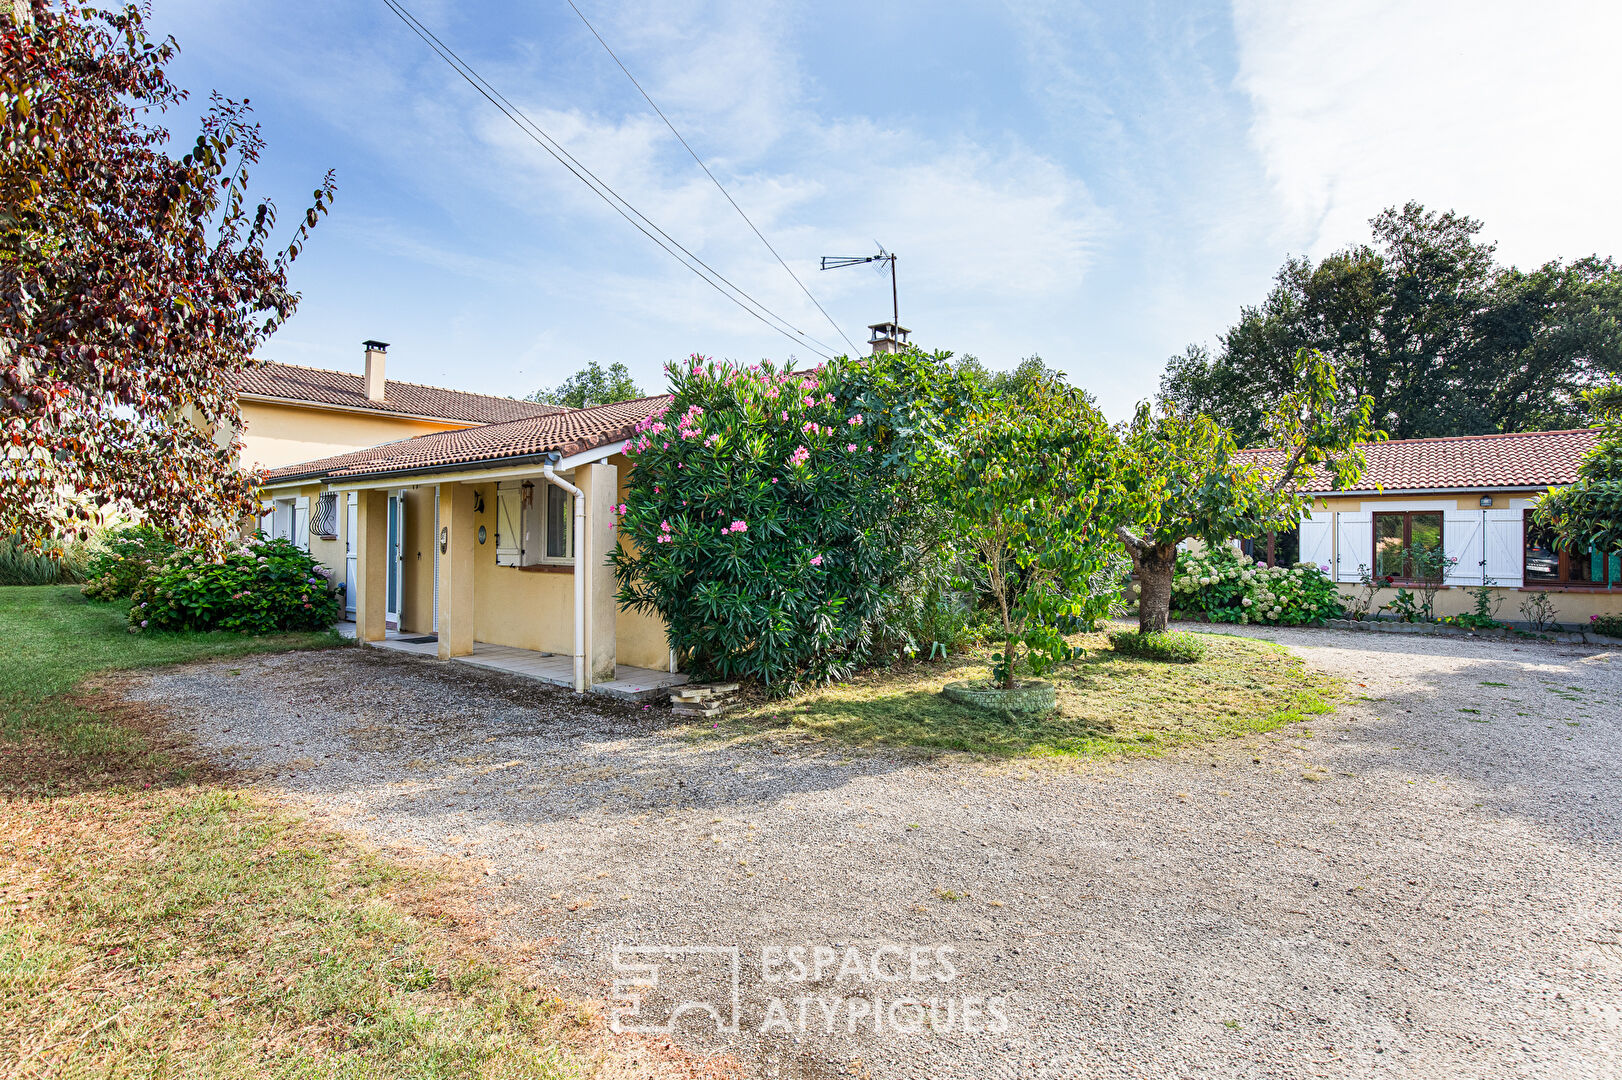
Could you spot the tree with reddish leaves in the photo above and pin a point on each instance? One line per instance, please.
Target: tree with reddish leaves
(134, 286)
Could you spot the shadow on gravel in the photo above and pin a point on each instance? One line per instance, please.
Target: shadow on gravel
(424, 739)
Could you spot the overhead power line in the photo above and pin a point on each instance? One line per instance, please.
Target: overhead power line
(712, 277)
(725, 194)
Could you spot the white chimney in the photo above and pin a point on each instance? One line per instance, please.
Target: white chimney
(376, 353)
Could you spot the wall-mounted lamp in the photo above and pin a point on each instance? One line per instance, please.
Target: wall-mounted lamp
(478, 503)
(1486, 500)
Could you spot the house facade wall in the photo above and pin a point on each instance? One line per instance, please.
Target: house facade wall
(275, 434)
(1573, 604)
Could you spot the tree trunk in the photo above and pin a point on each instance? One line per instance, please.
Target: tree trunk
(1155, 568)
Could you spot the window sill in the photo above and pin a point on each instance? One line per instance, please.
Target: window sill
(1570, 586)
(547, 568)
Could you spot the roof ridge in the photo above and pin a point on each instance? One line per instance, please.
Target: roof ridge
(1442, 438)
(423, 386)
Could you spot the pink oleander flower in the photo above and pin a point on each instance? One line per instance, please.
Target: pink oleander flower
(816, 560)
(850, 448)
(799, 457)
(665, 525)
(738, 526)
(853, 421)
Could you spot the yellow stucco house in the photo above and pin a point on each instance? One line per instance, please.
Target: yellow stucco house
(1470, 498)
(488, 544)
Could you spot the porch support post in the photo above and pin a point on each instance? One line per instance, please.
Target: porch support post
(456, 537)
(371, 564)
(600, 484)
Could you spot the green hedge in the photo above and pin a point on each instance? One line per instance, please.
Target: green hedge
(260, 586)
(122, 560)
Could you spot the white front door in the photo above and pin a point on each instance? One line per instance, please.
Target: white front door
(396, 582)
(350, 525)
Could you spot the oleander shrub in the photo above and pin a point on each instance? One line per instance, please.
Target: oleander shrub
(770, 515)
(1609, 625)
(258, 586)
(122, 559)
(1166, 646)
(1225, 586)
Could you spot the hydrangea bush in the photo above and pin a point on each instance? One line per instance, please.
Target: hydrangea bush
(1225, 586)
(766, 516)
(258, 586)
(121, 559)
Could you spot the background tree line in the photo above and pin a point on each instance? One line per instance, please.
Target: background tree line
(1427, 324)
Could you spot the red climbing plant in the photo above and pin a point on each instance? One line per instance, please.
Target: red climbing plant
(134, 285)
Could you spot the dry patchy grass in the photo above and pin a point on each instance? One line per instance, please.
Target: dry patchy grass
(158, 921)
(1109, 704)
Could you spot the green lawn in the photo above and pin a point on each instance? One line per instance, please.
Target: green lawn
(1109, 704)
(156, 921)
(54, 639)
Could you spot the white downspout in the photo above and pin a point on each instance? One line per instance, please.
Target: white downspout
(579, 575)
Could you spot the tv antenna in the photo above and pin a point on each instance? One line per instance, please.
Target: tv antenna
(834, 262)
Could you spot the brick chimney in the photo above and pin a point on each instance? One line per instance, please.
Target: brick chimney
(888, 337)
(376, 353)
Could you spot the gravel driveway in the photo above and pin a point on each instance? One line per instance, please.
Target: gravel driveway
(1426, 883)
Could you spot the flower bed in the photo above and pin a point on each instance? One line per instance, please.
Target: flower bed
(1224, 586)
(259, 586)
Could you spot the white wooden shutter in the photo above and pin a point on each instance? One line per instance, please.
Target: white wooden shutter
(1462, 541)
(281, 520)
(1318, 538)
(1354, 544)
(300, 534)
(509, 525)
(1506, 548)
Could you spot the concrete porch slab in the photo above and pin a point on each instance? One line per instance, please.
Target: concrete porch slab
(629, 683)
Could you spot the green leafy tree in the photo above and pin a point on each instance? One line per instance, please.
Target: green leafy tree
(592, 385)
(1021, 477)
(134, 286)
(1424, 323)
(1588, 513)
(1175, 477)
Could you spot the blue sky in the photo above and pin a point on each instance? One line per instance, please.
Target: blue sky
(1097, 183)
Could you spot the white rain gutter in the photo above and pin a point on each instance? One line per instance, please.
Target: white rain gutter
(579, 574)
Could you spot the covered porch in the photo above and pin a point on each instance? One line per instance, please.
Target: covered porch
(629, 683)
(505, 568)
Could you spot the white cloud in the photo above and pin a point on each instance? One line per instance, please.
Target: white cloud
(1501, 109)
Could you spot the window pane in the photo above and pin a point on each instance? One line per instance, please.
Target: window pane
(558, 522)
(1425, 535)
(1587, 567)
(1388, 545)
(1542, 560)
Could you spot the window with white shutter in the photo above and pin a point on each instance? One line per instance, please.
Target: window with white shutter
(509, 525)
(1318, 538)
(1354, 544)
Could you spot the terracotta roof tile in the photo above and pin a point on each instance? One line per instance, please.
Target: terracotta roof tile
(322, 387)
(564, 433)
(1519, 460)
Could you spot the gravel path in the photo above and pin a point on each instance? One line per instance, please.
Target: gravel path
(1426, 883)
